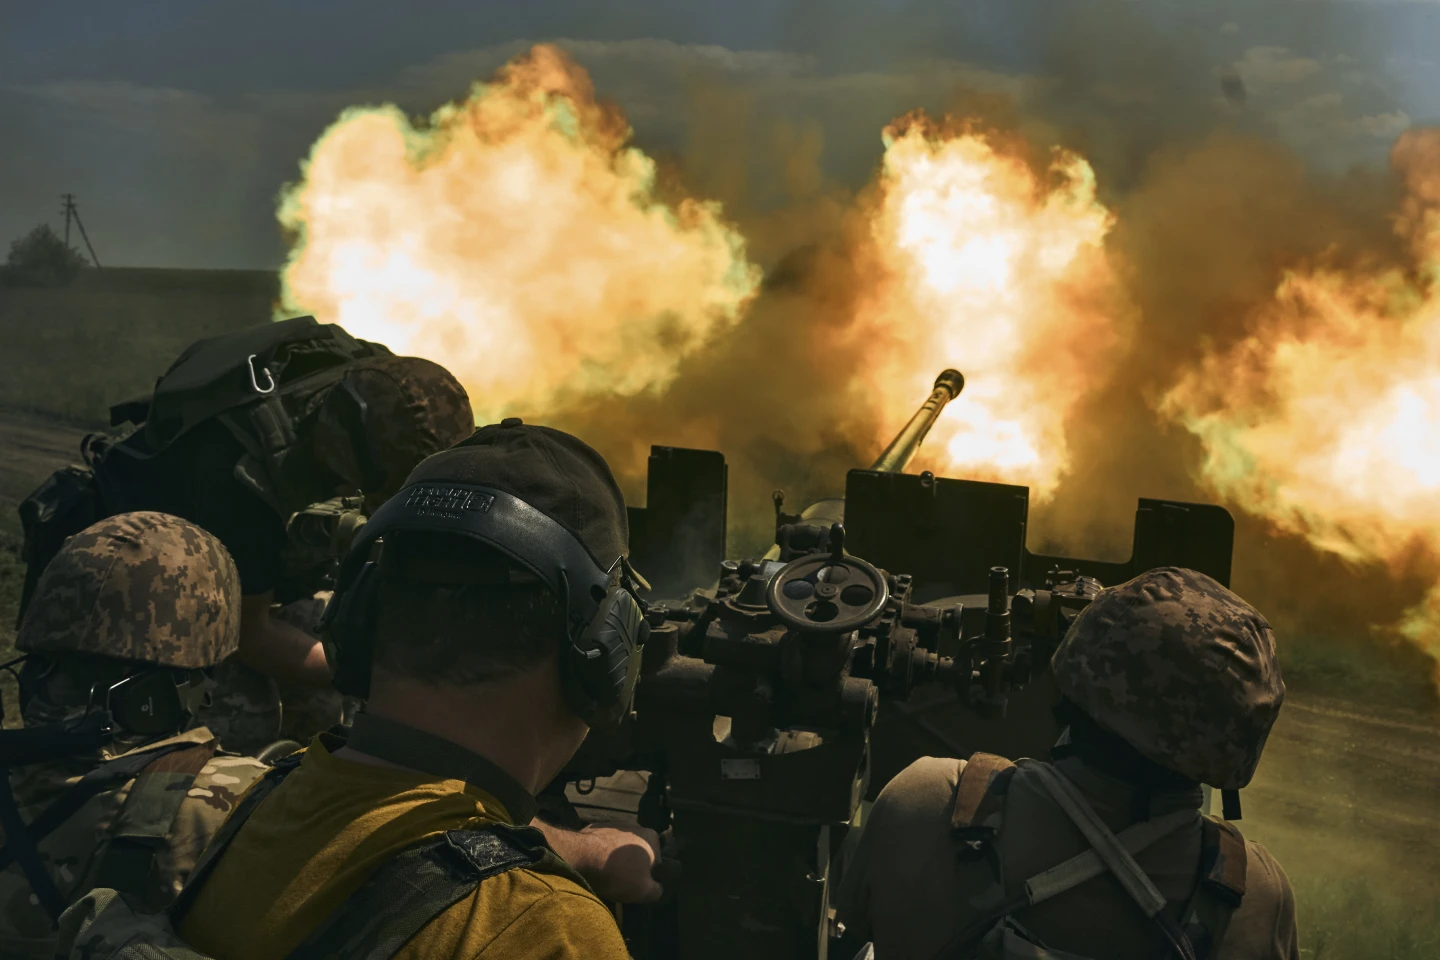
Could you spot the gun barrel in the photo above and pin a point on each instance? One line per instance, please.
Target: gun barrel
(907, 442)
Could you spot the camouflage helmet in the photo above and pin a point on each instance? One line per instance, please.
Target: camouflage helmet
(145, 586)
(412, 408)
(1180, 668)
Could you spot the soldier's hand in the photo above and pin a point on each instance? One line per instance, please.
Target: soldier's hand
(615, 858)
(626, 854)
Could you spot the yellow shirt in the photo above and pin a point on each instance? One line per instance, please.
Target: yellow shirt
(323, 831)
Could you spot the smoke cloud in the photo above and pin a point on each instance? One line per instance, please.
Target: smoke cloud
(1201, 204)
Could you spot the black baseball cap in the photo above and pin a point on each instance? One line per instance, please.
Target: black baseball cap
(552, 471)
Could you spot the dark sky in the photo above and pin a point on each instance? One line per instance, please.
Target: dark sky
(175, 122)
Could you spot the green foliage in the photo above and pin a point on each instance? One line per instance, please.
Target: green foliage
(42, 259)
(1347, 919)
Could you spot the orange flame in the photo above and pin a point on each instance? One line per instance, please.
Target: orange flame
(983, 264)
(516, 238)
(1326, 418)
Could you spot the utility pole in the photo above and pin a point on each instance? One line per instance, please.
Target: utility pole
(72, 212)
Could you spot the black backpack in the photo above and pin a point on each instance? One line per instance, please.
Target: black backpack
(261, 383)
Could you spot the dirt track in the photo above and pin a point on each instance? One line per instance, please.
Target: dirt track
(1348, 788)
(30, 448)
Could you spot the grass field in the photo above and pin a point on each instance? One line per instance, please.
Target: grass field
(1347, 919)
(1363, 864)
(71, 353)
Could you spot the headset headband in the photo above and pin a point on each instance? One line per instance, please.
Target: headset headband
(499, 520)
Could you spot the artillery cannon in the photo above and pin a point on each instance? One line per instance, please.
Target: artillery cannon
(778, 693)
(808, 530)
(777, 698)
(902, 449)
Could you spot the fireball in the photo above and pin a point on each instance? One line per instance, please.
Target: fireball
(516, 238)
(1326, 418)
(985, 264)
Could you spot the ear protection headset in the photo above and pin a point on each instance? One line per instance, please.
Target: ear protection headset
(605, 620)
(153, 701)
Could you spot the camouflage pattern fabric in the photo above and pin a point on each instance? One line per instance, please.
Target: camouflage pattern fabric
(1181, 668)
(249, 711)
(74, 851)
(102, 926)
(137, 586)
(415, 408)
(244, 709)
(306, 711)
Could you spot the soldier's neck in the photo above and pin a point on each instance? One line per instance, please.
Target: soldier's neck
(520, 724)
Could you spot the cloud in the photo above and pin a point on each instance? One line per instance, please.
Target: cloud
(1268, 67)
(175, 178)
(1325, 117)
(170, 177)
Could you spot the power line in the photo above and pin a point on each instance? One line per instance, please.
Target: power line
(73, 212)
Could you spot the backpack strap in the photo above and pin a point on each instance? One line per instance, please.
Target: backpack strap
(980, 801)
(1221, 886)
(1088, 864)
(419, 884)
(149, 811)
(258, 791)
(1226, 859)
(20, 844)
(22, 840)
(1070, 874)
(1131, 876)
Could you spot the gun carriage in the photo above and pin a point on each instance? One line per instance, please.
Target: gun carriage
(907, 619)
(778, 693)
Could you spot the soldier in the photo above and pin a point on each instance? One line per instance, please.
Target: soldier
(244, 431)
(1168, 682)
(498, 623)
(249, 711)
(113, 782)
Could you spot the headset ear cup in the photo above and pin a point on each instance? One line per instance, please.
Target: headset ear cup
(348, 627)
(147, 703)
(601, 668)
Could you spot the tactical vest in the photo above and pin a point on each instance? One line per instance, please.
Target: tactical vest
(162, 777)
(373, 923)
(978, 816)
(261, 383)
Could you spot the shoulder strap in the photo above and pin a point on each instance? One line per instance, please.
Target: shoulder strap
(416, 886)
(22, 840)
(1088, 865)
(1071, 873)
(20, 844)
(1225, 860)
(1134, 879)
(1221, 886)
(980, 799)
(258, 791)
(149, 811)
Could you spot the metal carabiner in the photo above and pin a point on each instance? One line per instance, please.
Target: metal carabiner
(255, 381)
